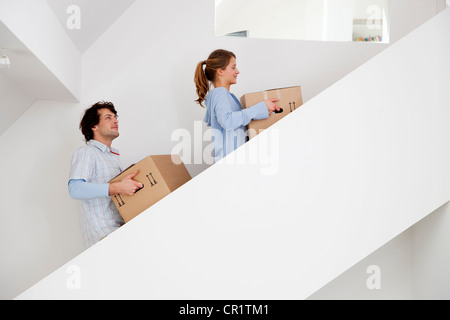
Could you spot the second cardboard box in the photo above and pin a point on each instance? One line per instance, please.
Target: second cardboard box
(290, 100)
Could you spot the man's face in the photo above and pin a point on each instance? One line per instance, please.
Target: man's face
(108, 126)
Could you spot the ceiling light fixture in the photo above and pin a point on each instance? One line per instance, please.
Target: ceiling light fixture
(5, 62)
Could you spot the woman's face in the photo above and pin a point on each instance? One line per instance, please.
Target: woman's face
(231, 72)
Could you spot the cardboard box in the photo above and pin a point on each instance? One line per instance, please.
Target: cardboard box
(160, 175)
(290, 100)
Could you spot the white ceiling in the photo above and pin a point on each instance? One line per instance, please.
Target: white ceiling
(26, 81)
(29, 77)
(28, 72)
(96, 17)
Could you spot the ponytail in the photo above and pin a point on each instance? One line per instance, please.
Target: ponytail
(201, 83)
(218, 59)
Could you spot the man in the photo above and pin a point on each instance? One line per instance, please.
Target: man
(92, 166)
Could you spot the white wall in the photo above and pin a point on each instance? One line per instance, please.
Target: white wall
(431, 235)
(414, 265)
(40, 228)
(406, 15)
(14, 100)
(394, 275)
(431, 261)
(154, 92)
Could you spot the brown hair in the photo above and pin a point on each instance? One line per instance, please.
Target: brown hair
(91, 118)
(218, 59)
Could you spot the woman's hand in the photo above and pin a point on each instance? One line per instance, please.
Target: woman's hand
(271, 106)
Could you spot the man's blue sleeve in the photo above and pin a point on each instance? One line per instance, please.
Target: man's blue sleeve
(82, 190)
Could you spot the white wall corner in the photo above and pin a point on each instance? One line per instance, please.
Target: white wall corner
(36, 26)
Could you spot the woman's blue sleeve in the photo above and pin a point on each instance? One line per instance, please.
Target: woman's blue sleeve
(231, 120)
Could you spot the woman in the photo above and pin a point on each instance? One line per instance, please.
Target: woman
(224, 112)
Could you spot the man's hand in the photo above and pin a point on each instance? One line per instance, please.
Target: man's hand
(127, 186)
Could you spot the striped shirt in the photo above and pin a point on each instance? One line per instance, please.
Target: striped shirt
(96, 163)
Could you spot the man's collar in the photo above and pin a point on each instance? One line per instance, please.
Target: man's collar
(102, 147)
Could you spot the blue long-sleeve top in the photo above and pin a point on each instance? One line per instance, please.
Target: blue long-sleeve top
(224, 114)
